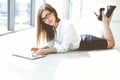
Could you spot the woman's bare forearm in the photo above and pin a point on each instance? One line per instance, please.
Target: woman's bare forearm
(51, 50)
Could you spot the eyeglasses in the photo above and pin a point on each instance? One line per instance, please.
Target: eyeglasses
(47, 16)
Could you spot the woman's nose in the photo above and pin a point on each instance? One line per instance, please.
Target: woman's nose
(48, 20)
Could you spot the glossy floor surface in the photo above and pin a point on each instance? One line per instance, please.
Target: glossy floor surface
(73, 65)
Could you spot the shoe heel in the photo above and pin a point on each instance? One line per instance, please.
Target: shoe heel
(110, 10)
(95, 13)
(99, 17)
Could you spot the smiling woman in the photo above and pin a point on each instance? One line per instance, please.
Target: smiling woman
(54, 30)
(47, 16)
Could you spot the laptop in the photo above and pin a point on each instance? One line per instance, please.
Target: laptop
(27, 55)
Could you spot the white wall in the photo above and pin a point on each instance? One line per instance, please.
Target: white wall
(89, 6)
(116, 16)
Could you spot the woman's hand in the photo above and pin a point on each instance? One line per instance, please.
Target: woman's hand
(39, 51)
(34, 49)
(43, 51)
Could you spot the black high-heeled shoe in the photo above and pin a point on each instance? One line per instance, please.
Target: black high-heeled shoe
(110, 10)
(99, 16)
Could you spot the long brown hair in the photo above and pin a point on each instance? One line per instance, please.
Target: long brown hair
(45, 31)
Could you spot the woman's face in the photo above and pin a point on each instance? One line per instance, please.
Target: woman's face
(48, 17)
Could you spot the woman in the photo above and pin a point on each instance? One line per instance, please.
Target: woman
(52, 29)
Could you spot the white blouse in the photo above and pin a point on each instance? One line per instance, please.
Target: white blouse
(66, 37)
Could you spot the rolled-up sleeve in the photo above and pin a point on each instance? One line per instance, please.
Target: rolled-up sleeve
(51, 43)
(69, 37)
(63, 47)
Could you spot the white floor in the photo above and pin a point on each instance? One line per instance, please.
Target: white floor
(74, 65)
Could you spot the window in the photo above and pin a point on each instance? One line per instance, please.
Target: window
(38, 3)
(3, 16)
(22, 14)
(59, 5)
(75, 9)
(16, 15)
(67, 9)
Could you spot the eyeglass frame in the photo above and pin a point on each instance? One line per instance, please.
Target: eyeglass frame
(47, 16)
